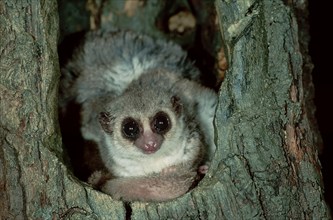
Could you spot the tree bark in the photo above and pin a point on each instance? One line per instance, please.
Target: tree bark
(34, 183)
(266, 140)
(265, 166)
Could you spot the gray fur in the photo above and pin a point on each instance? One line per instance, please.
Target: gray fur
(108, 62)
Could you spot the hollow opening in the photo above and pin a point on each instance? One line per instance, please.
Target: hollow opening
(192, 25)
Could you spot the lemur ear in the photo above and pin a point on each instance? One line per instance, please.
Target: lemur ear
(105, 119)
(176, 104)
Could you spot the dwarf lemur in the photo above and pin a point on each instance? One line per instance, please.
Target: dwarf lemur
(143, 106)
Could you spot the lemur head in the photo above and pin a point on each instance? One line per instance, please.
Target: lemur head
(143, 122)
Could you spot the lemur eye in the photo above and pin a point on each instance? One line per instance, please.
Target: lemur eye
(130, 129)
(161, 123)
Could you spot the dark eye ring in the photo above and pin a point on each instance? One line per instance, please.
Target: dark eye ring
(161, 123)
(130, 129)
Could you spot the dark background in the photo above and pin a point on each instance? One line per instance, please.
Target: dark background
(322, 56)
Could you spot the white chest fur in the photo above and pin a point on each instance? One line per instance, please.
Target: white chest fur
(148, 164)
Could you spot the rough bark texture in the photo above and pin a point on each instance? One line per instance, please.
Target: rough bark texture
(266, 164)
(265, 138)
(34, 183)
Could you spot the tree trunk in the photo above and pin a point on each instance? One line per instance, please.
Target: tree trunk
(266, 164)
